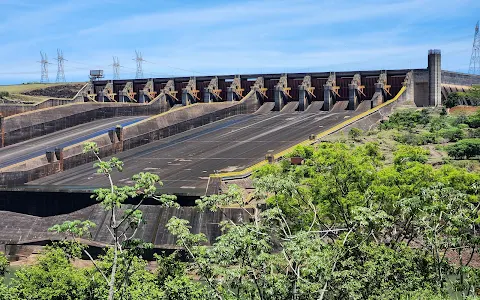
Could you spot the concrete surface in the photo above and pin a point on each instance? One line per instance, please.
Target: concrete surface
(22, 228)
(38, 146)
(184, 161)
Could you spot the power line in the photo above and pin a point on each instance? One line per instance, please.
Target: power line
(44, 67)
(139, 59)
(475, 59)
(60, 69)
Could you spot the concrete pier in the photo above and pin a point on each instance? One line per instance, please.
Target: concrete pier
(280, 93)
(305, 93)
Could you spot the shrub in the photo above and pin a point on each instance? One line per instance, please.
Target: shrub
(406, 119)
(465, 148)
(473, 133)
(4, 94)
(473, 121)
(410, 153)
(3, 264)
(416, 139)
(355, 133)
(452, 134)
(454, 99)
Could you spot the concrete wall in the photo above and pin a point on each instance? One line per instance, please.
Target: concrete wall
(22, 127)
(22, 228)
(149, 130)
(460, 78)
(420, 88)
(12, 109)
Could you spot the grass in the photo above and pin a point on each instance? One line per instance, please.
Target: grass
(21, 88)
(16, 90)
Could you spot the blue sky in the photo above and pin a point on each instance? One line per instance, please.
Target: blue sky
(228, 37)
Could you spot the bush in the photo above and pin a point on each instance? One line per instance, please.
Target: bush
(4, 94)
(410, 153)
(473, 133)
(416, 139)
(473, 121)
(355, 133)
(454, 99)
(406, 119)
(465, 148)
(452, 134)
(3, 264)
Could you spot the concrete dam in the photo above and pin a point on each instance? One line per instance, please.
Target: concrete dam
(194, 132)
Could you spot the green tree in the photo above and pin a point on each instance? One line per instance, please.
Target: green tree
(3, 264)
(52, 278)
(466, 148)
(454, 99)
(123, 224)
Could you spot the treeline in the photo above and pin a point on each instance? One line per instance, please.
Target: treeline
(470, 97)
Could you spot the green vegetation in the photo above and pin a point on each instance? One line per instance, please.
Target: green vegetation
(3, 264)
(472, 96)
(368, 218)
(4, 94)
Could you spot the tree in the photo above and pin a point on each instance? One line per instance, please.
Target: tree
(52, 278)
(123, 224)
(355, 133)
(465, 148)
(454, 99)
(3, 264)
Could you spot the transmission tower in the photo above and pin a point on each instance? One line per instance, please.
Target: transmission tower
(475, 60)
(116, 68)
(139, 59)
(60, 69)
(44, 67)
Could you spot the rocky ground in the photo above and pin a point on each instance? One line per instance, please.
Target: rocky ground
(57, 91)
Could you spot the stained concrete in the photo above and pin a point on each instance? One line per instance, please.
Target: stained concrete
(60, 139)
(184, 161)
(18, 228)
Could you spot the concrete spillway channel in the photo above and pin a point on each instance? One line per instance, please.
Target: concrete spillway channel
(38, 146)
(184, 161)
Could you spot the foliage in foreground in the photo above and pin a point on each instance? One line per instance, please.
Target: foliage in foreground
(342, 225)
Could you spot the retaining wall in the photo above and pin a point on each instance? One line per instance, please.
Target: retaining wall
(22, 127)
(23, 228)
(121, 139)
(12, 109)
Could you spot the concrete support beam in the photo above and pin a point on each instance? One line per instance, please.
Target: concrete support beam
(305, 93)
(50, 156)
(355, 89)
(281, 93)
(352, 96)
(434, 78)
(107, 94)
(88, 92)
(127, 94)
(59, 157)
(330, 91)
(190, 92)
(379, 96)
(260, 89)
(235, 91)
(328, 99)
(212, 92)
(148, 93)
